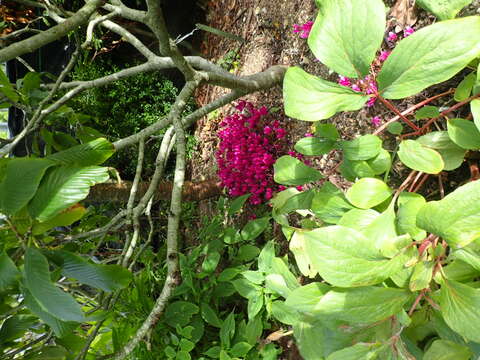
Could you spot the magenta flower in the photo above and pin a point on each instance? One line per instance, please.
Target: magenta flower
(371, 101)
(344, 81)
(384, 55)
(408, 31)
(392, 36)
(356, 88)
(304, 29)
(308, 134)
(376, 121)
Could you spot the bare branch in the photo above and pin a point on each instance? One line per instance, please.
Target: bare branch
(54, 33)
(91, 27)
(126, 12)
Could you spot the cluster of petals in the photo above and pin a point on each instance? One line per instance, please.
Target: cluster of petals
(247, 151)
(304, 29)
(367, 85)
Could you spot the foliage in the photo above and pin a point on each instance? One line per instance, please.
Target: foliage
(125, 107)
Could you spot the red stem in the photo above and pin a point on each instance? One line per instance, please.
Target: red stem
(396, 111)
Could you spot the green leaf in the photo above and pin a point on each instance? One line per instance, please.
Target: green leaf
(51, 299)
(362, 305)
(346, 258)
(368, 192)
(380, 163)
(358, 219)
(8, 272)
(245, 288)
(409, 206)
(49, 352)
(237, 204)
(209, 315)
(30, 82)
(15, 327)
(347, 34)
(460, 307)
(305, 298)
(247, 252)
(65, 218)
(310, 98)
(253, 330)
(314, 146)
(362, 148)
(186, 345)
(291, 171)
(302, 200)
(443, 9)
(228, 274)
(210, 262)
(59, 327)
(447, 350)
(254, 228)
(395, 128)
(297, 247)
(227, 330)
(468, 255)
(105, 277)
(92, 153)
(20, 182)
(180, 313)
(452, 154)
(283, 313)
(329, 203)
(464, 89)
(255, 304)
(421, 158)
(464, 133)
(277, 284)
(427, 112)
(421, 276)
(353, 169)
(62, 187)
(327, 131)
(240, 349)
(6, 87)
(429, 56)
(459, 227)
(475, 107)
(359, 351)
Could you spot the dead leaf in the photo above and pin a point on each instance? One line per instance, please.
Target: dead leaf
(403, 14)
(276, 335)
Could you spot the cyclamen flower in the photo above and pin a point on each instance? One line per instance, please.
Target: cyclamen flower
(408, 31)
(376, 121)
(304, 29)
(384, 55)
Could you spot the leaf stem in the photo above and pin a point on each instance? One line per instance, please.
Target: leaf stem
(396, 111)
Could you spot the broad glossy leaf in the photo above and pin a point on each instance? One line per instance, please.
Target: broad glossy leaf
(447, 350)
(344, 257)
(444, 9)
(358, 219)
(460, 307)
(347, 34)
(302, 258)
(409, 204)
(291, 171)
(92, 153)
(421, 276)
(255, 305)
(464, 133)
(237, 204)
(283, 313)
(362, 305)
(353, 169)
(359, 351)
(468, 255)
(210, 316)
(280, 267)
(314, 146)
(427, 112)
(254, 228)
(368, 192)
(105, 277)
(305, 298)
(14, 327)
(329, 203)
(65, 218)
(327, 131)
(458, 270)
(464, 89)
(20, 182)
(59, 327)
(310, 98)
(419, 157)
(247, 252)
(429, 56)
(362, 148)
(452, 154)
(300, 201)
(50, 298)
(8, 272)
(455, 218)
(62, 187)
(381, 163)
(475, 107)
(180, 313)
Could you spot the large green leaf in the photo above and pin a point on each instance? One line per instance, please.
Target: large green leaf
(297, 247)
(464, 89)
(409, 204)
(8, 272)
(460, 307)
(329, 203)
(344, 257)
(362, 305)
(359, 352)
(314, 146)
(105, 277)
(444, 9)
(305, 298)
(475, 107)
(455, 218)
(92, 153)
(291, 171)
(62, 187)
(358, 219)
(65, 218)
(452, 154)
(15, 327)
(51, 299)
(310, 98)
(429, 56)
(362, 148)
(368, 192)
(421, 158)
(464, 133)
(20, 182)
(347, 34)
(59, 327)
(447, 350)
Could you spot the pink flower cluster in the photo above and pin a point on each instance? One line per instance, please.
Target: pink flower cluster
(304, 29)
(247, 152)
(367, 85)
